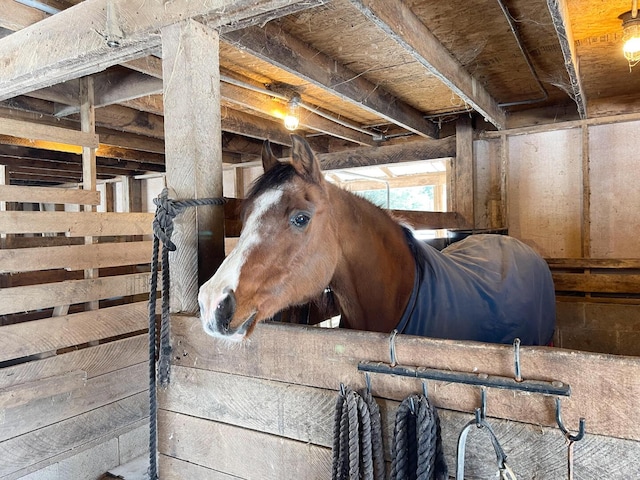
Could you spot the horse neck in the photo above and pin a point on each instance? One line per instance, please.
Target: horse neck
(375, 273)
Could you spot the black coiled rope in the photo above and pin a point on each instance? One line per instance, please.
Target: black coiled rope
(166, 211)
(357, 438)
(417, 452)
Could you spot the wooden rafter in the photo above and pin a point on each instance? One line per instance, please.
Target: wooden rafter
(397, 20)
(560, 16)
(279, 48)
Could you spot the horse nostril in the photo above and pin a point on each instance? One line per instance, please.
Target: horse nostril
(225, 310)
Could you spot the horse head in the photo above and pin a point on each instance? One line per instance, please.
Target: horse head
(287, 250)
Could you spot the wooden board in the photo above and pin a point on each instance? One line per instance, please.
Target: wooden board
(34, 297)
(544, 188)
(613, 163)
(77, 224)
(242, 453)
(44, 444)
(175, 469)
(24, 129)
(50, 334)
(31, 406)
(15, 193)
(92, 361)
(75, 257)
(302, 355)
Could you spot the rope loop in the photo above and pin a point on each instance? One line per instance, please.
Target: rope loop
(166, 210)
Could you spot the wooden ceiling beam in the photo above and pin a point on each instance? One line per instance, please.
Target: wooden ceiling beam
(105, 33)
(560, 16)
(406, 152)
(271, 44)
(397, 20)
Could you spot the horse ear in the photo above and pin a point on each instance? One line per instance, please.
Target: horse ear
(269, 160)
(304, 160)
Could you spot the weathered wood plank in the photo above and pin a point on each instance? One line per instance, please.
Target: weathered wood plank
(75, 257)
(34, 297)
(16, 16)
(130, 31)
(270, 457)
(464, 179)
(26, 408)
(77, 224)
(405, 152)
(63, 437)
(596, 283)
(50, 334)
(15, 193)
(584, 263)
(95, 360)
(275, 353)
(430, 220)
(193, 145)
(23, 129)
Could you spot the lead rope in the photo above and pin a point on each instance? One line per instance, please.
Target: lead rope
(357, 438)
(166, 211)
(417, 425)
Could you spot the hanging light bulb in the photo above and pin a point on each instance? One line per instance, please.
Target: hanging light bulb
(631, 35)
(292, 118)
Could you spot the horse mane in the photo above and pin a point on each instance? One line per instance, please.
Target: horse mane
(272, 178)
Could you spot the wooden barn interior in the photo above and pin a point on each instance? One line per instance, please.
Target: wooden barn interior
(520, 114)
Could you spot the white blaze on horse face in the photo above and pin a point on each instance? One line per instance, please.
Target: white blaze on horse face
(228, 274)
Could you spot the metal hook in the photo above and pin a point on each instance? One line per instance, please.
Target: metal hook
(516, 360)
(481, 413)
(412, 406)
(367, 381)
(424, 389)
(392, 348)
(565, 432)
(342, 389)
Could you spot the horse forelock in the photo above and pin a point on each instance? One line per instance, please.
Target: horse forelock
(273, 178)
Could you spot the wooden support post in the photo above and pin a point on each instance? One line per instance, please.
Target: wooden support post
(4, 180)
(89, 172)
(193, 152)
(463, 172)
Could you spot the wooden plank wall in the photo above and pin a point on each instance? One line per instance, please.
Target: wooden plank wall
(73, 380)
(264, 409)
(571, 193)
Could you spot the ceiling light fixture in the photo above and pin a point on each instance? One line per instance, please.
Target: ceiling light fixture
(631, 35)
(292, 117)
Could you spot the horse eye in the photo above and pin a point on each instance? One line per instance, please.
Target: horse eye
(300, 220)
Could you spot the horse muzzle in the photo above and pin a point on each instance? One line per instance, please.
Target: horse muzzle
(218, 323)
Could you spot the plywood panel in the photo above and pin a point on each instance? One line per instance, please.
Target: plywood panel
(614, 163)
(544, 191)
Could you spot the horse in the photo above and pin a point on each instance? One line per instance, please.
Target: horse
(301, 235)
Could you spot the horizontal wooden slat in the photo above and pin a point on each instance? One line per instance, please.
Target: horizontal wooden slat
(16, 193)
(45, 444)
(27, 408)
(430, 220)
(325, 357)
(34, 297)
(600, 283)
(93, 361)
(77, 224)
(617, 263)
(34, 131)
(75, 257)
(240, 452)
(49, 334)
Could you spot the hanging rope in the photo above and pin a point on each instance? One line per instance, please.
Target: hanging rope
(357, 438)
(417, 452)
(166, 211)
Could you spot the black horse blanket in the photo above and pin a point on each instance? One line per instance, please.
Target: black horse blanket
(488, 288)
